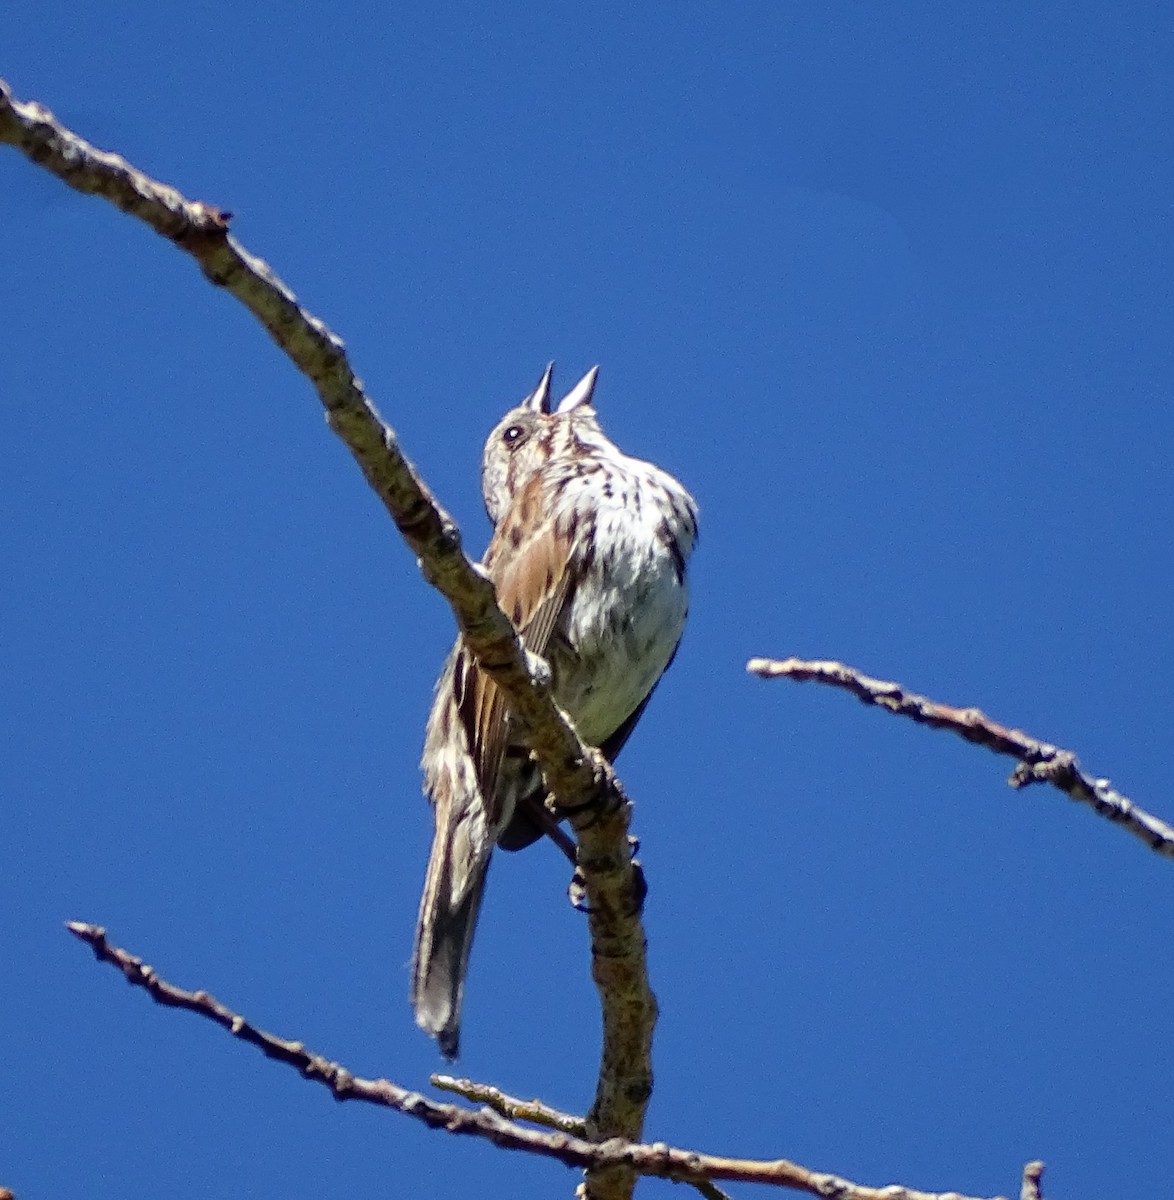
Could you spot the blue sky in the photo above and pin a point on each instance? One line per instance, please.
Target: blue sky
(888, 288)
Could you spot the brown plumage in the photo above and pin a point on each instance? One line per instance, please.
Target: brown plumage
(588, 557)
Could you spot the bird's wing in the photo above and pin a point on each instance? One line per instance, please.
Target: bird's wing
(528, 560)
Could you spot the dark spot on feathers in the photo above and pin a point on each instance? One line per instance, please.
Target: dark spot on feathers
(674, 548)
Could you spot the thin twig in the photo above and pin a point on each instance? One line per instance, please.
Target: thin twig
(578, 776)
(657, 1159)
(710, 1190)
(538, 1113)
(514, 1109)
(1039, 762)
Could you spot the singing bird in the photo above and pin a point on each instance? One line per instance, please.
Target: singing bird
(588, 557)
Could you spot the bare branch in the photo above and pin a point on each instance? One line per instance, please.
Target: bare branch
(578, 776)
(1039, 762)
(658, 1159)
(537, 1113)
(533, 1111)
(202, 231)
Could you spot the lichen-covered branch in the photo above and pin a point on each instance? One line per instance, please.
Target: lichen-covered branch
(658, 1159)
(1039, 762)
(578, 777)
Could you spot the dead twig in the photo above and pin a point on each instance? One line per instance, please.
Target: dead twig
(1039, 762)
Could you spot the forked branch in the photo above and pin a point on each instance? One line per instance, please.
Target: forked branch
(658, 1159)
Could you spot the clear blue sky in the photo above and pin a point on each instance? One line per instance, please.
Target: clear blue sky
(889, 288)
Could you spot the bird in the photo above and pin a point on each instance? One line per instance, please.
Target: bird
(588, 557)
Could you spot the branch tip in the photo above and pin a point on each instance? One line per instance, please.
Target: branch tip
(1039, 762)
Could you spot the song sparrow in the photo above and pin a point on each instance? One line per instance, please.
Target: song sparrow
(588, 556)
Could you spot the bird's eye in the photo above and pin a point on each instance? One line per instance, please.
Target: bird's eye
(514, 435)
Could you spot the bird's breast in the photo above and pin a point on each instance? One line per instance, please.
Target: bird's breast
(626, 610)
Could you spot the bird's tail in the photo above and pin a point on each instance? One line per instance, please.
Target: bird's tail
(452, 895)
